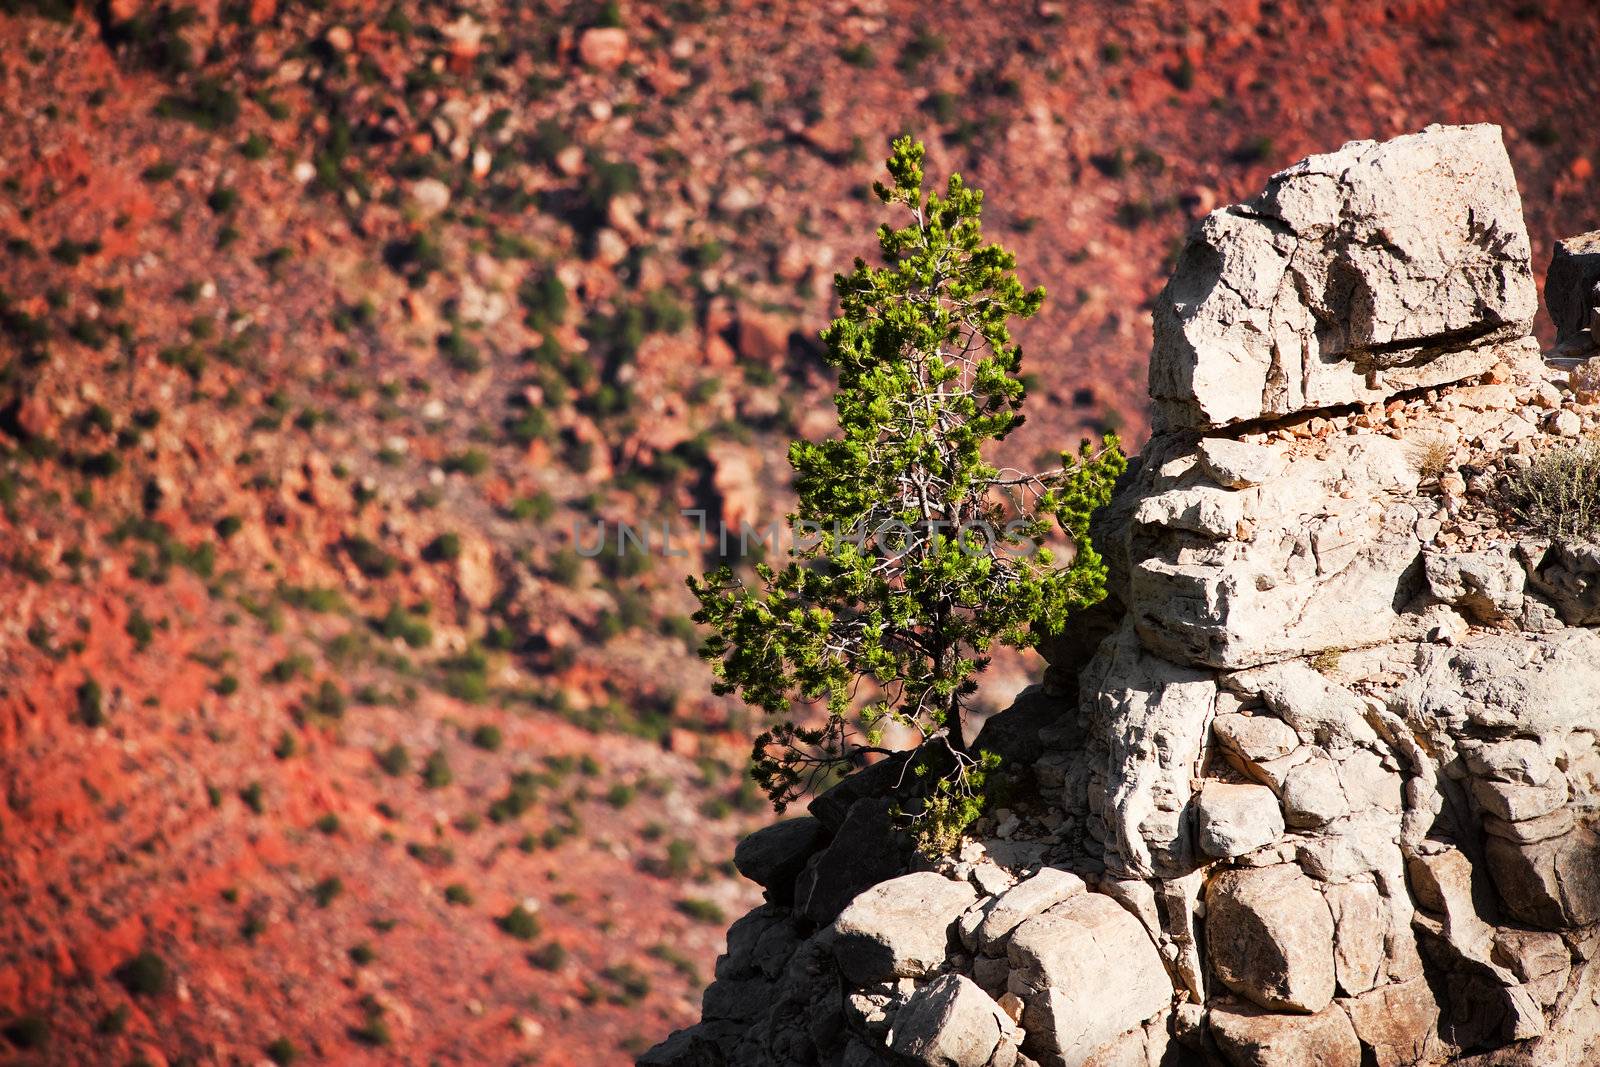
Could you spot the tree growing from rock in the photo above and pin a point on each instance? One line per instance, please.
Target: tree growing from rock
(912, 555)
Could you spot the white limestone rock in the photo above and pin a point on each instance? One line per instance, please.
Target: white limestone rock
(1357, 274)
(1235, 819)
(1060, 961)
(899, 928)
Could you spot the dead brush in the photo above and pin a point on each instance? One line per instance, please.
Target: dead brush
(1558, 496)
(1433, 456)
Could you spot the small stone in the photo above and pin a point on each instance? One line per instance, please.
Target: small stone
(603, 47)
(1564, 424)
(430, 196)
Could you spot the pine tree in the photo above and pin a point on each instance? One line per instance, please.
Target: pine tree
(913, 555)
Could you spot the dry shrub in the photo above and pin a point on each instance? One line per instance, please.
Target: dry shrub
(1559, 495)
(1433, 456)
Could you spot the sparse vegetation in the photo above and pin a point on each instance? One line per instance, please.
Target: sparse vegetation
(144, 975)
(91, 706)
(520, 923)
(395, 760)
(924, 383)
(699, 910)
(1558, 496)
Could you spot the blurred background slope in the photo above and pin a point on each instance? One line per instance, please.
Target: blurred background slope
(322, 323)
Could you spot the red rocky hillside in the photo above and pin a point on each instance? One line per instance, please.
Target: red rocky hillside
(321, 323)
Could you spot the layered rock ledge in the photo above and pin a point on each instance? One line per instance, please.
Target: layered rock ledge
(1319, 782)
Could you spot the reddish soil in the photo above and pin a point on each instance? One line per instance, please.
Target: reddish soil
(322, 323)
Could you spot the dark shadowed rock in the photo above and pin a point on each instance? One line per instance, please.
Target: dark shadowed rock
(880, 779)
(1548, 884)
(774, 855)
(1572, 292)
(866, 850)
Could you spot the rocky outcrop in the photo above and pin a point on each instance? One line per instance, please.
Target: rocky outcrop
(1356, 275)
(1319, 782)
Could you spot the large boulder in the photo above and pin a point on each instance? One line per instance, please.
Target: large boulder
(899, 928)
(1061, 961)
(1250, 1037)
(949, 1022)
(1357, 274)
(1271, 937)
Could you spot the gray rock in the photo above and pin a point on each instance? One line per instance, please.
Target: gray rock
(1569, 577)
(1060, 961)
(1529, 831)
(1255, 738)
(1356, 275)
(1485, 585)
(1238, 465)
(1023, 901)
(1518, 760)
(1250, 1037)
(773, 855)
(1533, 685)
(949, 1022)
(899, 928)
(1312, 793)
(1569, 292)
(1235, 819)
(1515, 803)
(1360, 929)
(1270, 937)
(866, 850)
(1152, 715)
(1314, 705)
